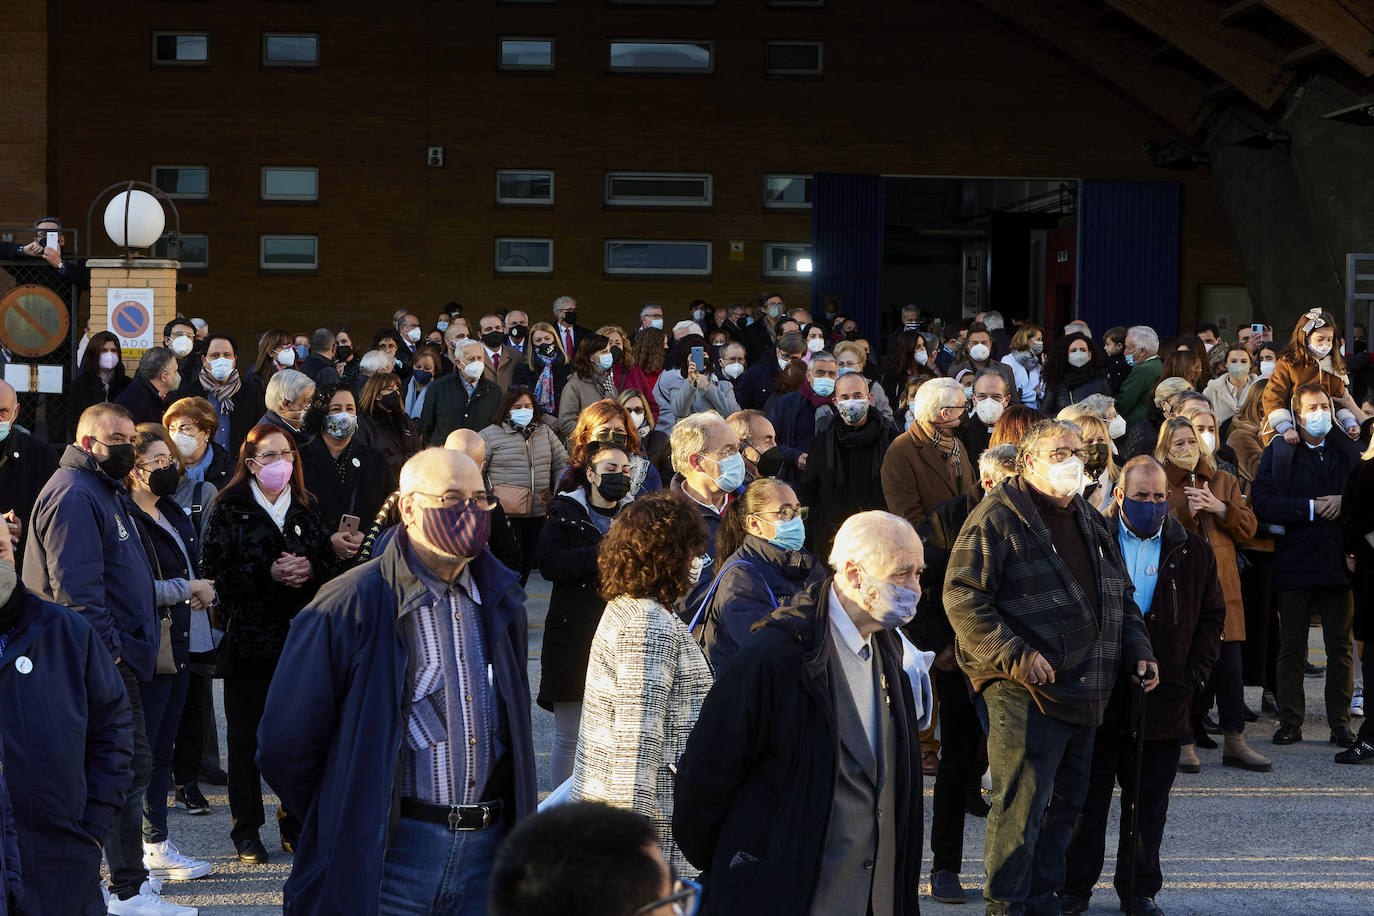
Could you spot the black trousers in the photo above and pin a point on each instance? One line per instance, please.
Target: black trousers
(197, 742)
(1261, 646)
(526, 529)
(1225, 688)
(1114, 762)
(960, 734)
(245, 698)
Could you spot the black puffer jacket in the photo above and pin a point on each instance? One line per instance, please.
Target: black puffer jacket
(241, 543)
(566, 555)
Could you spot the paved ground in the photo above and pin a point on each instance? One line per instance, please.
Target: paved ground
(1295, 840)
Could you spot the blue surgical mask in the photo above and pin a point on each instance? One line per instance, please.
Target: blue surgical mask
(1317, 423)
(789, 535)
(605, 360)
(522, 416)
(823, 386)
(1130, 360)
(441, 325)
(302, 351)
(847, 370)
(1144, 517)
(731, 472)
(5, 426)
(893, 605)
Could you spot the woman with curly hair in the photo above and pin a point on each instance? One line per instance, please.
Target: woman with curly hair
(646, 676)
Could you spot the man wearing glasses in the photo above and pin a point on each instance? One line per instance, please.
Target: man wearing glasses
(927, 464)
(1040, 602)
(399, 719)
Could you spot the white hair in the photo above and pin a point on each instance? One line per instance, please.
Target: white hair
(374, 361)
(993, 321)
(997, 463)
(467, 343)
(1145, 336)
(823, 356)
(1101, 406)
(873, 540)
(286, 385)
(691, 326)
(199, 324)
(927, 403)
(692, 435)
(560, 302)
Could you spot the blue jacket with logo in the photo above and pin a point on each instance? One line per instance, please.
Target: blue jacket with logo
(84, 553)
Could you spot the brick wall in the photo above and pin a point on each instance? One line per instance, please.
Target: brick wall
(24, 141)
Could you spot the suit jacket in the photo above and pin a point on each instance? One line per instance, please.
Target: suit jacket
(502, 375)
(915, 478)
(579, 332)
(447, 407)
(142, 400)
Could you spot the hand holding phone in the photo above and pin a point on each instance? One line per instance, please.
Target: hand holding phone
(348, 524)
(55, 241)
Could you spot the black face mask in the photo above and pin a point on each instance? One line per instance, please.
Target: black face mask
(343, 353)
(617, 354)
(494, 339)
(570, 317)
(770, 462)
(613, 487)
(618, 439)
(851, 334)
(518, 332)
(120, 461)
(163, 481)
(391, 401)
(1095, 458)
(546, 351)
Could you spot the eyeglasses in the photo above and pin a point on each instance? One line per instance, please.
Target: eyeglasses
(268, 457)
(163, 462)
(961, 408)
(1057, 455)
(787, 513)
(485, 500)
(684, 900)
(728, 451)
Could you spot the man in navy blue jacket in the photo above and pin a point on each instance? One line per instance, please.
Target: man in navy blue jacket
(66, 737)
(399, 719)
(798, 416)
(84, 553)
(1298, 488)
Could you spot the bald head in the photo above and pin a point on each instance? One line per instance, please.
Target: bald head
(9, 402)
(470, 443)
(440, 470)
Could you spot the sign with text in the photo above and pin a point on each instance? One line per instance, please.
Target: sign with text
(131, 320)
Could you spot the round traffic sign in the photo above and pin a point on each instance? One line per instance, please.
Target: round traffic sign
(130, 319)
(33, 320)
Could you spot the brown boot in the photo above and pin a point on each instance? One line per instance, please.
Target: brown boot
(1187, 760)
(1236, 753)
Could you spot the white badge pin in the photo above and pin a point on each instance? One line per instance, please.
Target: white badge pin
(23, 664)
(1152, 570)
(298, 530)
(357, 463)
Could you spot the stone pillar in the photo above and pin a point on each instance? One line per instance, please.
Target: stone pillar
(157, 276)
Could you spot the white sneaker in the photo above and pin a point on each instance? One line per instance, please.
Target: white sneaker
(987, 780)
(147, 903)
(1357, 702)
(163, 860)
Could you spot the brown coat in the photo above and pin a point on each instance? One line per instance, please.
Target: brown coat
(503, 375)
(1278, 394)
(1244, 439)
(916, 477)
(1222, 534)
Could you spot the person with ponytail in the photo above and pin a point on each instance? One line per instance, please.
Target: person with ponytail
(762, 565)
(1312, 355)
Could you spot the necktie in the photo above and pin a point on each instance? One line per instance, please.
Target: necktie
(567, 342)
(496, 360)
(864, 653)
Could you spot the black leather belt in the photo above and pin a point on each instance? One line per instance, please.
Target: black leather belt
(454, 817)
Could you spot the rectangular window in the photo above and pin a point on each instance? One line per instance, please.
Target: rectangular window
(662, 56)
(526, 53)
(195, 250)
(290, 183)
(787, 192)
(658, 189)
(524, 186)
(793, 58)
(288, 252)
(633, 256)
(189, 182)
(290, 49)
(524, 256)
(181, 49)
(786, 259)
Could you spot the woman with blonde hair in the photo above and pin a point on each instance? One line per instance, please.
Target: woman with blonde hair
(1099, 466)
(545, 368)
(1208, 501)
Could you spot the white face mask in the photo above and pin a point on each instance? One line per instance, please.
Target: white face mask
(734, 370)
(656, 323)
(1117, 428)
(1267, 368)
(221, 367)
(413, 335)
(637, 417)
(783, 363)
(185, 444)
(1320, 352)
(978, 352)
(287, 358)
(1079, 358)
(181, 345)
(694, 571)
(988, 411)
(815, 345)
(1209, 441)
(109, 359)
(921, 357)
(473, 370)
(1066, 477)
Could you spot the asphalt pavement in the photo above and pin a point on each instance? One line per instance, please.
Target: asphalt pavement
(1294, 840)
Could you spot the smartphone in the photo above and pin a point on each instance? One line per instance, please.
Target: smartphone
(54, 239)
(1257, 328)
(699, 358)
(348, 524)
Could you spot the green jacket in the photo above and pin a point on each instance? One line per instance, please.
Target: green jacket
(1137, 392)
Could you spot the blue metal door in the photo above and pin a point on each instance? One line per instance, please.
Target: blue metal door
(1128, 250)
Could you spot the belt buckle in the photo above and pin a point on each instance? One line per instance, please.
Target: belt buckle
(455, 817)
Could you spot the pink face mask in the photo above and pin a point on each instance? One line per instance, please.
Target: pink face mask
(275, 475)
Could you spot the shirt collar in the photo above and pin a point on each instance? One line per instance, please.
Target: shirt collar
(1131, 538)
(846, 633)
(436, 586)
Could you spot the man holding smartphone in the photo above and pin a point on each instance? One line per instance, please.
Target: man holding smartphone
(59, 275)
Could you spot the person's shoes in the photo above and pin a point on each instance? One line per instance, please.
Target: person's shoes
(251, 850)
(1343, 736)
(1070, 904)
(1357, 703)
(288, 843)
(1209, 724)
(214, 776)
(1268, 704)
(945, 887)
(930, 763)
(1311, 670)
(146, 903)
(1201, 738)
(1288, 734)
(1188, 761)
(164, 860)
(1362, 752)
(1144, 906)
(1237, 753)
(190, 798)
(1249, 715)
(987, 780)
(974, 803)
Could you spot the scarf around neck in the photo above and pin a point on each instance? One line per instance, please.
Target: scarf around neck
(223, 392)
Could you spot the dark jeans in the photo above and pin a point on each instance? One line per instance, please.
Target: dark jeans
(245, 697)
(1040, 768)
(527, 534)
(197, 740)
(162, 702)
(960, 732)
(1260, 648)
(124, 844)
(1225, 688)
(1337, 612)
(1113, 763)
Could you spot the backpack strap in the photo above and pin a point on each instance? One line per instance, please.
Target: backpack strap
(715, 584)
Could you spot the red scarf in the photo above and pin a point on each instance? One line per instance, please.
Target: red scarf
(816, 400)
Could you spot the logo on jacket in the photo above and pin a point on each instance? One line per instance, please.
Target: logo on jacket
(123, 532)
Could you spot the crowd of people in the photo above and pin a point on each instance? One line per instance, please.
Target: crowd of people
(790, 576)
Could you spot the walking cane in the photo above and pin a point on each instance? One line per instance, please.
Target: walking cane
(1138, 724)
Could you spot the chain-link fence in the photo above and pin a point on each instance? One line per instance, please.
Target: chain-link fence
(40, 325)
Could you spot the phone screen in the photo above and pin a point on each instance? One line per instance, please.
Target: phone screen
(699, 358)
(1257, 328)
(53, 238)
